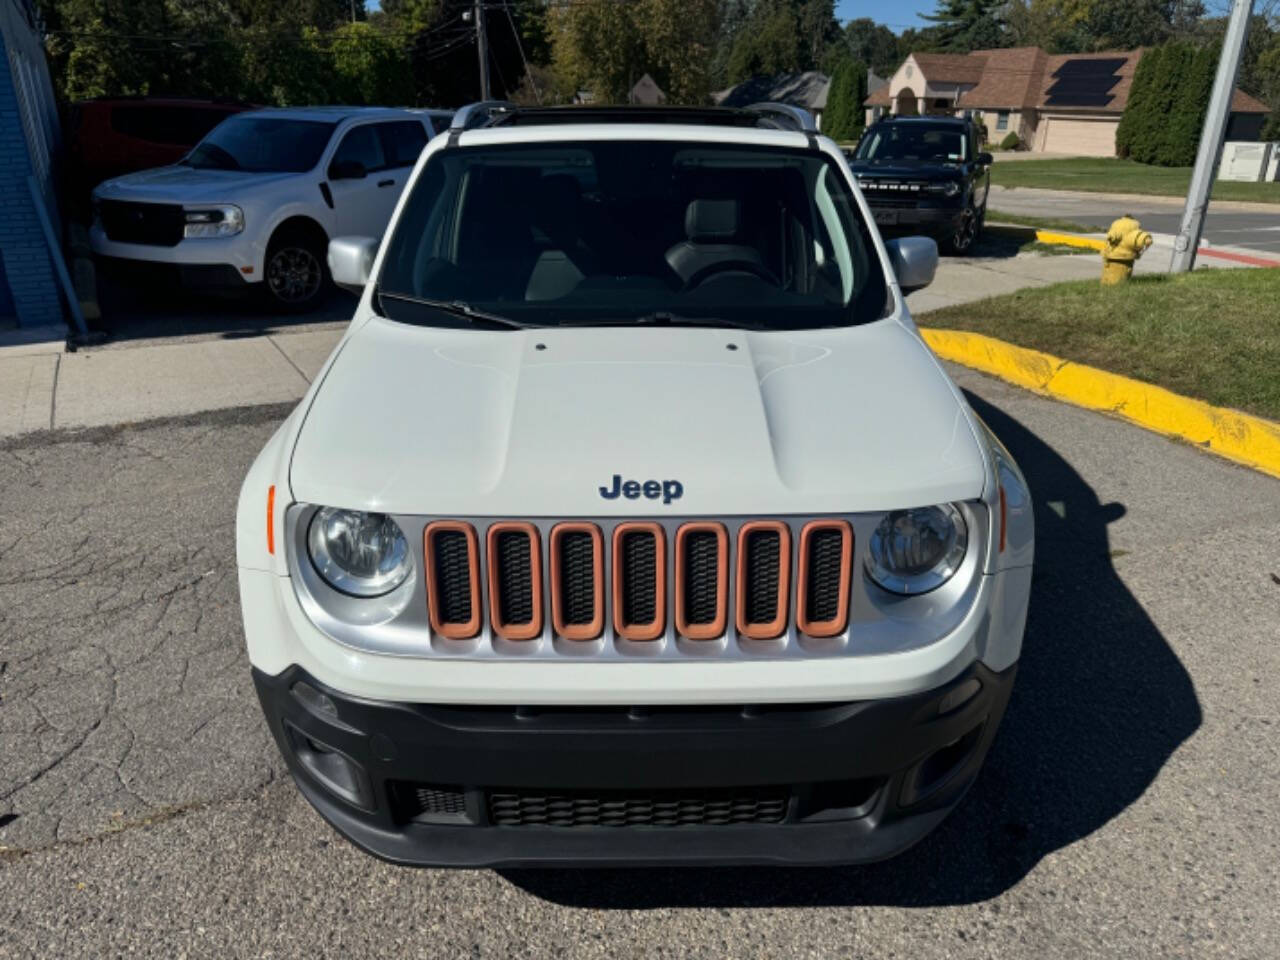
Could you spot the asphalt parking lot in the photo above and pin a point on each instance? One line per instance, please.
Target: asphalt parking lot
(1127, 808)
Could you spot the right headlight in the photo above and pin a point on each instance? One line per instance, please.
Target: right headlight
(918, 550)
(362, 554)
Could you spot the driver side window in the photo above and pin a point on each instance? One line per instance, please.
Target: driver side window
(360, 145)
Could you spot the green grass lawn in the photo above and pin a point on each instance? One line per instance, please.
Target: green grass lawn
(1212, 334)
(1109, 175)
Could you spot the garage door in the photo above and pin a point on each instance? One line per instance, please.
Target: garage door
(1085, 138)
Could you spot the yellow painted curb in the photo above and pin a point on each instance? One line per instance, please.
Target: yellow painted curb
(1252, 441)
(1070, 240)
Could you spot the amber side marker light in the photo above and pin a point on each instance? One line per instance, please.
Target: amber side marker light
(271, 519)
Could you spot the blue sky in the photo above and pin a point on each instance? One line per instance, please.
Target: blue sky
(897, 15)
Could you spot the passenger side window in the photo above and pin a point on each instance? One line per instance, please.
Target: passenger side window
(402, 142)
(361, 145)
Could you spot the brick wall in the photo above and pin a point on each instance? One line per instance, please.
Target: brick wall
(28, 147)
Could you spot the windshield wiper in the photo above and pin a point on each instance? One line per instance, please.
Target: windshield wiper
(455, 308)
(660, 318)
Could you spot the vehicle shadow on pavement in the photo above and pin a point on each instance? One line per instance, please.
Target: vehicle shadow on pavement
(1100, 703)
(138, 307)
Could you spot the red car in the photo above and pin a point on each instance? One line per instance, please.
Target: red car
(111, 136)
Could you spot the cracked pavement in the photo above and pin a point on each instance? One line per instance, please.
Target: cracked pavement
(1127, 807)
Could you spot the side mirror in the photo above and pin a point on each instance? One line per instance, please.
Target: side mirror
(986, 159)
(347, 170)
(351, 261)
(915, 261)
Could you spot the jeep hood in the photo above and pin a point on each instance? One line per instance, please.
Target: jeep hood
(181, 184)
(533, 423)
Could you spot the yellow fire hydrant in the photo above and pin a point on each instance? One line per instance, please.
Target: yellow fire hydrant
(1126, 242)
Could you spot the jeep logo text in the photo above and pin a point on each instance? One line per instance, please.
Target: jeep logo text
(668, 490)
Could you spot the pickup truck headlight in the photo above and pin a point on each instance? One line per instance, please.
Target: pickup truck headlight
(915, 551)
(362, 554)
(948, 188)
(224, 220)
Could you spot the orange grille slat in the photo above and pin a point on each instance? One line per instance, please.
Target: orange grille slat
(560, 612)
(453, 629)
(656, 627)
(514, 631)
(804, 621)
(775, 627)
(714, 627)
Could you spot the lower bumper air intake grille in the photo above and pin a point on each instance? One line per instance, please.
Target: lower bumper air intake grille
(638, 809)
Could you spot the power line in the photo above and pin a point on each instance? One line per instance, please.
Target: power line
(520, 46)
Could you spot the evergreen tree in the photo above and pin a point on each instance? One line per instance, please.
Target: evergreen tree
(842, 118)
(1182, 129)
(964, 25)
(1132, 130)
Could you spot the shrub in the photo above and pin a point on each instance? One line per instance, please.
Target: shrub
(1010, 142)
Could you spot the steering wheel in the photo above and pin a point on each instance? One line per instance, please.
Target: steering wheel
(757, 270)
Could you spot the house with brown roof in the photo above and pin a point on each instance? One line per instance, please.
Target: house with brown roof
(1055, 103)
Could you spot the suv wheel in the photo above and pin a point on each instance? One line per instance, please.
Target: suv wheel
(966, 233)
(296, 274)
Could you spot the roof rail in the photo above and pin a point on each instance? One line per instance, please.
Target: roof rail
(785, 116)
(478, 114)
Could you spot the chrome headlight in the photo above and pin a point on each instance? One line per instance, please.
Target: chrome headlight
(222, 220)
(363, 554)
(948, 188)
(915, 551)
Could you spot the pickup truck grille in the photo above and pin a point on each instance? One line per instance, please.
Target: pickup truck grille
(153, 224)
(633, 584)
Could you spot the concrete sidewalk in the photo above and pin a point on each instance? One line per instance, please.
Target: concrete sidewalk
(96, 387)
(43, 388)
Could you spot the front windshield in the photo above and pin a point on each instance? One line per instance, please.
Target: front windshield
(262, 145)
(936, 143)
(625, 232)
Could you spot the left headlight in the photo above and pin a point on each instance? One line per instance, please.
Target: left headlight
(223, 220)
(363, 554)
(918, 550)
(948, 188)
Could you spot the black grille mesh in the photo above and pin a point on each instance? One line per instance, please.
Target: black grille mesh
(453, 575)
(429, 801)
(577, 577)
(637, 809)
(513, 556)
(639, 577)
(822, 592)
(701, 570)
(763, 562)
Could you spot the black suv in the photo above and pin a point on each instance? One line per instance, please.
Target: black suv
(925, 175)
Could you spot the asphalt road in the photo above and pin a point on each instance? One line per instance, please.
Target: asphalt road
(1224, 226)
(1128, 807)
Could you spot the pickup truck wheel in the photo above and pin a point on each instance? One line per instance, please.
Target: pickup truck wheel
(296, 273)
(967, 230)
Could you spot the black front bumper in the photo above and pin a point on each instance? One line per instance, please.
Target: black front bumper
(907, 217)
(548, 786)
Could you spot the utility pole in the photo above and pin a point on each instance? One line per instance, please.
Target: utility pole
(1215, 127)
(482, 45)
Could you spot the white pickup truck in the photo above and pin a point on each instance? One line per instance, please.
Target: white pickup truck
(254, 204)
(632, 521)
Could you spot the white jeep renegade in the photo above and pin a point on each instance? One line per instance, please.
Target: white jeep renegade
(632, 521)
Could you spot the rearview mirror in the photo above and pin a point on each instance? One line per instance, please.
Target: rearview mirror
(915, 261)
(351, 261)
(347, 170)
(986, 159)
